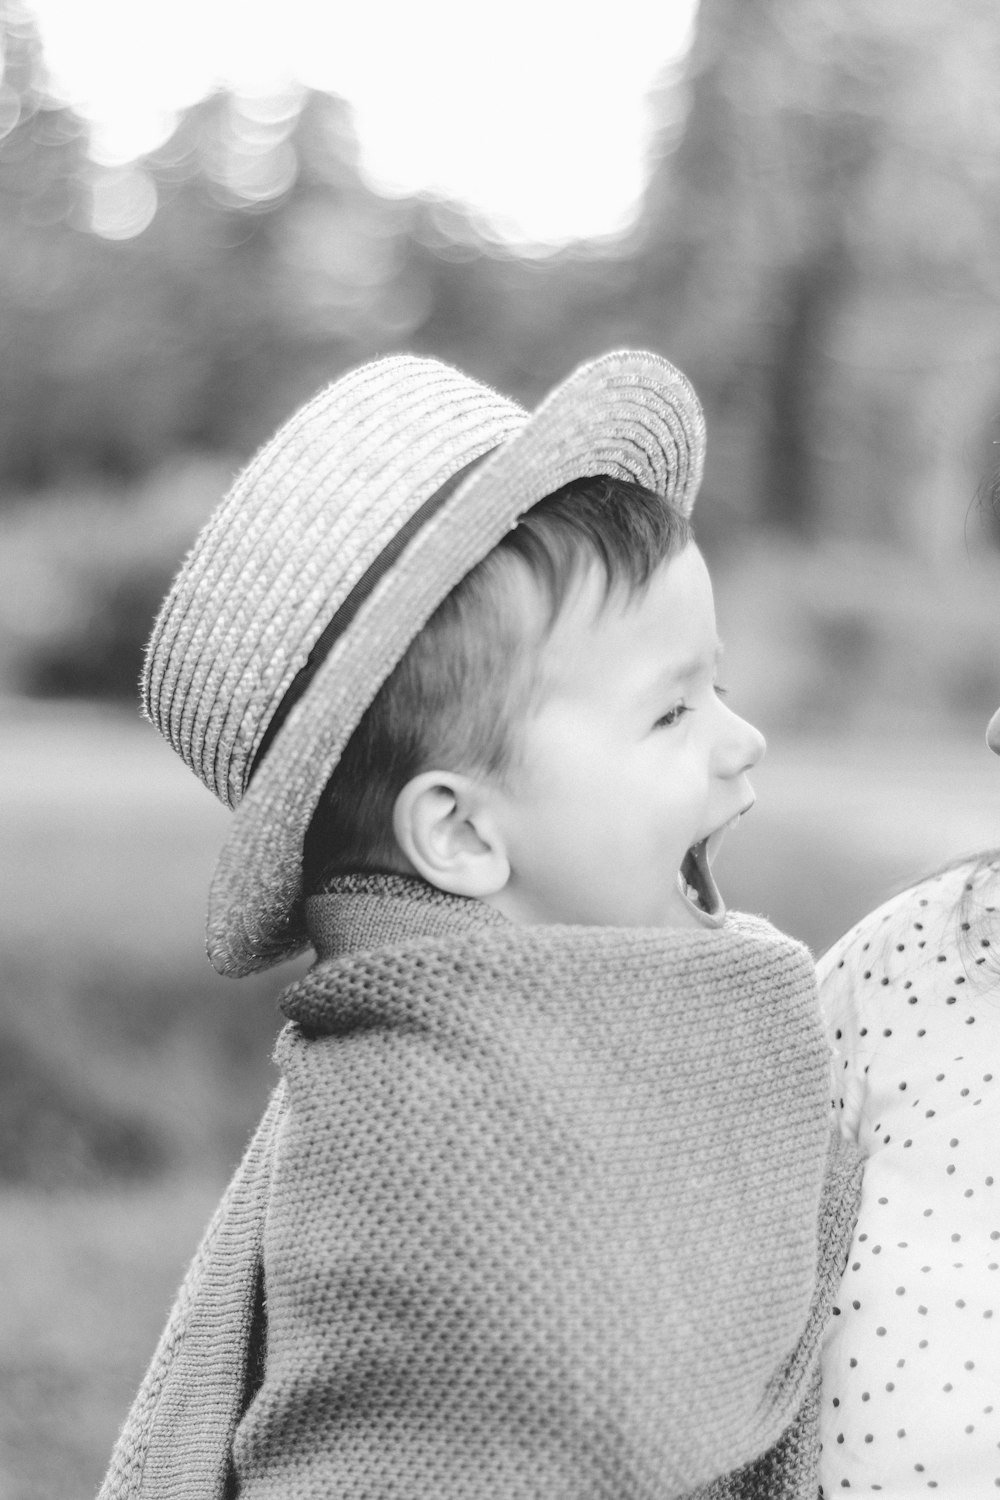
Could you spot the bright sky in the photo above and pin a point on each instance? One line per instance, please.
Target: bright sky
(533, 111)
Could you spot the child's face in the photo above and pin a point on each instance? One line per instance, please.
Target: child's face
(630, 759)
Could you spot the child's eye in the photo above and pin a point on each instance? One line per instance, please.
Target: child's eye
(720, 691)
(672, 716)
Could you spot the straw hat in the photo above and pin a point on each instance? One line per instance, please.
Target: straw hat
(329, 553)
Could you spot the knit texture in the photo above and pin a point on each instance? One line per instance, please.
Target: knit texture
(176, 1439)
(539, 1213)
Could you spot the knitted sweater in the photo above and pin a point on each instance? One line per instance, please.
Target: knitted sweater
(535, 1213)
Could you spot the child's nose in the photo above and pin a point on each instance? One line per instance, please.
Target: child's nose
(741, 747)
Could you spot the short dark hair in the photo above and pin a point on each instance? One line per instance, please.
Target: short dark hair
(467, 680)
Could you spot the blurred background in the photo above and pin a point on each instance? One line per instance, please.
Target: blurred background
(206, 211)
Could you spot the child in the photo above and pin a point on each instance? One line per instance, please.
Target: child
(535, 1208)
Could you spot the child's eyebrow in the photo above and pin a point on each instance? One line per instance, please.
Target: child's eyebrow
(676, 676)
(694, 666)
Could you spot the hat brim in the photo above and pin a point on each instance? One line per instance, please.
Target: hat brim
(629, 415)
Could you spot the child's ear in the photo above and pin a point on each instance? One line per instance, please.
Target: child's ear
(443, 825)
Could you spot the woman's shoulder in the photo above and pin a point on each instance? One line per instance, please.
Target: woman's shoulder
(920, 921)
(906, 971)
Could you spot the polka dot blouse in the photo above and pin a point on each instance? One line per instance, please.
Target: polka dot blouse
(911, 1363)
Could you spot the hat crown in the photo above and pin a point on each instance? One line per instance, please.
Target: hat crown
(296, 531)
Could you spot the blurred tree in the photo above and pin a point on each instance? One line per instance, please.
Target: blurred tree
(190, 300)
(42, 151)
(818, 251)
(815, 249)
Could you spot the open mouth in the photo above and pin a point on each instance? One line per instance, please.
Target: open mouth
(696, 881)
(698, 887)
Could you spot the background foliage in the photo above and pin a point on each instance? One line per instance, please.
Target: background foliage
(815, 248)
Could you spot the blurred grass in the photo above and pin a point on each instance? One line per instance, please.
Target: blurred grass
(88, 1280)
(108, 846)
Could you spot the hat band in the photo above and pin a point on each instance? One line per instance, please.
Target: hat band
(353, 602)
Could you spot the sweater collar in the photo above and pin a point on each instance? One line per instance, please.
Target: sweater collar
(357, 913)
